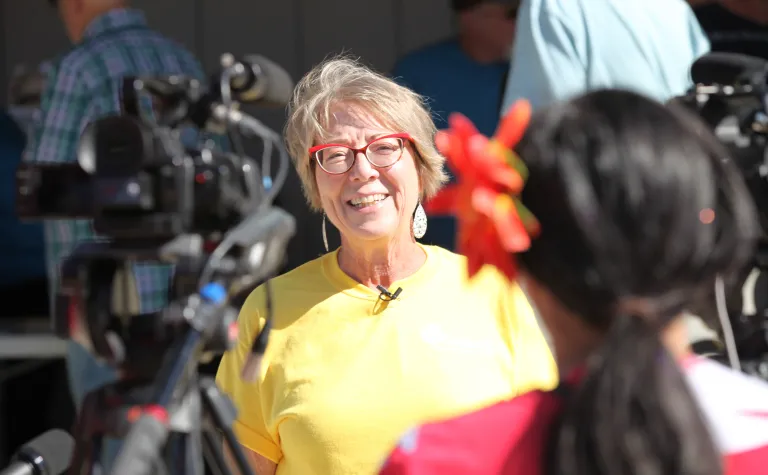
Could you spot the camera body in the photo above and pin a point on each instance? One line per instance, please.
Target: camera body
(138, 180)
(156, 188)
(731, 96)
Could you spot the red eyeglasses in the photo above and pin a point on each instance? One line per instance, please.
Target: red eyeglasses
(382, 152)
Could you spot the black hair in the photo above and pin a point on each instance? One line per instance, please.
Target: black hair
(624, 188)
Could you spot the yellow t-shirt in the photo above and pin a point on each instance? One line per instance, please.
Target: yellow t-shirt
(345, 373)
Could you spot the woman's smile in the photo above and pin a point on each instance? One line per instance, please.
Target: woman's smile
(368, 203)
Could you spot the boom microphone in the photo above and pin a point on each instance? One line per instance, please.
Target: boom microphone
(257, 78)
(46, 454)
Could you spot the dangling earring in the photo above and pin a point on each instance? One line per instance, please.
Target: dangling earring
(419, 222)
(325, 235)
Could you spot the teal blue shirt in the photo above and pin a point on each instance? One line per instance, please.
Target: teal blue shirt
(451, 81)
(567, 47)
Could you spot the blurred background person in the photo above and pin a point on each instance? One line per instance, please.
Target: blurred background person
(110, 41)
(566, 47)
(617, 182)
(463, 74)
(735, 26)
(383, 332)
(82, 89)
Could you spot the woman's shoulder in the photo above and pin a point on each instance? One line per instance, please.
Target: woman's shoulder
(454, 266)
(481, 442)
(444, 256)
(736, 408)
(294, 287)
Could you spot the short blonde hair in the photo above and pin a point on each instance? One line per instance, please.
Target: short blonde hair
(345, 80)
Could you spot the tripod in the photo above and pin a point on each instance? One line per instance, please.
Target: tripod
(109, 411)
(162, 409)
(161, 404)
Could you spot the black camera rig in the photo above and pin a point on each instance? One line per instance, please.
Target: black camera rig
(731, 96)
(153, 197)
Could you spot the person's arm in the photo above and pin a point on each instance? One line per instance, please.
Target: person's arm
(252, 400)
(700, 43)
(546, 63)
(66, 108)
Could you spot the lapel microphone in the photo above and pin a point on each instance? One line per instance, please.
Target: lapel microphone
(386, 295)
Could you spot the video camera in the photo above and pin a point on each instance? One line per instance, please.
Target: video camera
(155, 198)
(152, 196)
(731, 96)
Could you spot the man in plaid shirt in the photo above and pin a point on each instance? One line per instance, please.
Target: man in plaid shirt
(111, 42)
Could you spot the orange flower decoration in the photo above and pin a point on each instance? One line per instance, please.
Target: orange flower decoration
(492, 222)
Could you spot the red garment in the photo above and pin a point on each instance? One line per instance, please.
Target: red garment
(509, 438)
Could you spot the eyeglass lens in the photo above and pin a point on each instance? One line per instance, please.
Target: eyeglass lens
(381, 153)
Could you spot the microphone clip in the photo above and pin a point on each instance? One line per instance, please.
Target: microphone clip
(387, 296)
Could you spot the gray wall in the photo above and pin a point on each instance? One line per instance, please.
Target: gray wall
(295, 33)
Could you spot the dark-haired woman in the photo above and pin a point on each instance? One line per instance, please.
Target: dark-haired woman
(638, 216)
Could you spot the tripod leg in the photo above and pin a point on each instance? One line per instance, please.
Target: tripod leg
(97, 450)
(223, 413)
(85, 438)
(185, 456)
(213, 454)
(161, 468)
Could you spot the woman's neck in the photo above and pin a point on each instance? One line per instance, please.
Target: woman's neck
(381, 264)
(675, 337)
(583, 341)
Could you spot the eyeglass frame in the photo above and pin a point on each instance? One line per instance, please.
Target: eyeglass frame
(364, 150)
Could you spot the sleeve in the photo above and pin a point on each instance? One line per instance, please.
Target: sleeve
(252, 400)
(700, 43)
(546, 65)
(67, 107)
(534, 365)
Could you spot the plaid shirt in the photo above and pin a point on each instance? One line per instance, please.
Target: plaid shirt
(85, 85)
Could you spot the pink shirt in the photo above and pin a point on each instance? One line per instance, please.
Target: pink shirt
(509, 437)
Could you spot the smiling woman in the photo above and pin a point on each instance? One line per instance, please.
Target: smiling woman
(382, 333)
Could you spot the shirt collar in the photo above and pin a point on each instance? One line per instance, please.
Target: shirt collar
(117, 19)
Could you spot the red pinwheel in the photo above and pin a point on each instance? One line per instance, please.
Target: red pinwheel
(492, 223)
